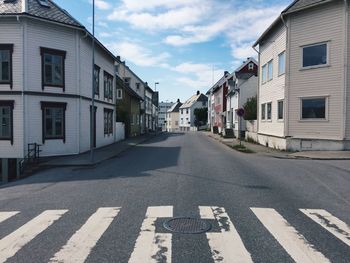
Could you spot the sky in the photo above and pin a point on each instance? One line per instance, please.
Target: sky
(185, 45)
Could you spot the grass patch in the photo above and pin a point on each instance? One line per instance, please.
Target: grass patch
(242, 148)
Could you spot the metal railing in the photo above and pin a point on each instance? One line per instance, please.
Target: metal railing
(32, 157)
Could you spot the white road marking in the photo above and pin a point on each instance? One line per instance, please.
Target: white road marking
(293, 242)
(332, 224)
(13, 242)
(79, 246)
(6, 215)
(227, 246)
(152, 247)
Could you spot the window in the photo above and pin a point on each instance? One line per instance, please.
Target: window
(138, 86)
(269, 108)
(251, 66)
(263, 74)
(53, 67)
(97, 79)
(108, 121)
(6, 120)
(280, 110)
(44, 3)
(176, 123)
(315, 55)
(186, 111)
(6, 51)
(182, 111)
(127, 82)
(204, 103)
(263, 111)
(270, 70)
(282, 63)
(53, 118)
(108, 85)
(313, 108)
(119, 94)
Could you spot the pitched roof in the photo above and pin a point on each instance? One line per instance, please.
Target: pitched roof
(189, 103)
(53, 12)
(175, 107)
(295, 6)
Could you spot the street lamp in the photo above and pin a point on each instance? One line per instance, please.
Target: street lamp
(156, 117)
(92, 119)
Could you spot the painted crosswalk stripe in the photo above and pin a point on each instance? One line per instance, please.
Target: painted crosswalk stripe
(152, 247)
(293, 242)
(332, 224)
(79, 246)
(12, 243)
(6, 215)
(226, 246)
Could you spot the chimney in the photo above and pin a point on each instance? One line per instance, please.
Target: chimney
(178, 100)
(198, 92)
(118, 57)
(24, 6)
(226, 73)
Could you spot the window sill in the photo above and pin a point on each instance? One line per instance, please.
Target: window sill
(314, 120)
(282, 74)
(314, 67)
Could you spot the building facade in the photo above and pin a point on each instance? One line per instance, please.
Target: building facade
(162, 114)
(303, 96)
(173, 117)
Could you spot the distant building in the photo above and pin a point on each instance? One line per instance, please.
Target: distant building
(162, 112)
(172, 117)
(187, 117)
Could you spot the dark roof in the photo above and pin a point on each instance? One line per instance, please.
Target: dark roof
(244, 75)
(52, 13)
(175, 107)
(296, 6)
(302, 4)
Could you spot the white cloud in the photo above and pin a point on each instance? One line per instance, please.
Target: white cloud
(102, 4)
(139, 55)
(197, 76)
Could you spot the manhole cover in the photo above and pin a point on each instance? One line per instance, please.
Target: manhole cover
(187, 225)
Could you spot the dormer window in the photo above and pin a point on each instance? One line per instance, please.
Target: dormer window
(251, 66)
(44, 3)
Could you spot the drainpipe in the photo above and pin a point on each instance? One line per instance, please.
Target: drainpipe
(258, 92)
(346, 21)
(287, 80)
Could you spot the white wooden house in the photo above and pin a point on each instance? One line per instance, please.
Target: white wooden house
(46, 83)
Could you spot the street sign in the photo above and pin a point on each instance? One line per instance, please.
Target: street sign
(240, 112)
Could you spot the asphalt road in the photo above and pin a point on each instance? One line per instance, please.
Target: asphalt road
(99, 213)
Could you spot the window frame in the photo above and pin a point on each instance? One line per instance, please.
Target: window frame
(325, 119)
(313, 45)
(263, 112)
(108, 123)
(10, 104)
(268, 71)
(97, 88)
(53, 52)
(264, 74)
(119, 96)
(278, 110)
(106, 78)
(50, 104)
(279, 63)
(8, 47)
(267, 111)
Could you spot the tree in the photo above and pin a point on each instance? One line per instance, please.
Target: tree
(250, 109)
(201, 116)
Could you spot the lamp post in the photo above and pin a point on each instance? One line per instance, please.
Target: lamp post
(92, 121)
(156, 113)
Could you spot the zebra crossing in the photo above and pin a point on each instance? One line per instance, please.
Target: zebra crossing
(226, 245)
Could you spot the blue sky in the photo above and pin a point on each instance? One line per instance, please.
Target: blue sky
(180, 43)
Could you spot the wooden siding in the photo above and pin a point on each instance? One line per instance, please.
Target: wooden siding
(316, 25)
(347, 130)
(274, 90)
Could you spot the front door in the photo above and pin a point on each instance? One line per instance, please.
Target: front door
(94, 125)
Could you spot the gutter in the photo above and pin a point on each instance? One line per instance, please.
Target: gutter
(346, 62)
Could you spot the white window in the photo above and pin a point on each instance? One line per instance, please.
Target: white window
(313, 108)
(119, 94)
(263, 111)
(270, 70)
(280, 110)
(269, 110)
(251, 66)
(282, 63)
(263, 74)
(315, 55)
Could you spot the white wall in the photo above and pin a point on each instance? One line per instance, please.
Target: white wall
(119, 131)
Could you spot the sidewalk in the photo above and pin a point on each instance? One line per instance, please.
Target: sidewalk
(265, 151)
(100, 154)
